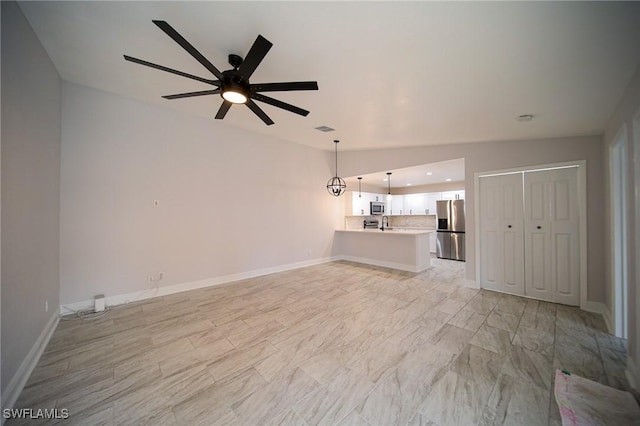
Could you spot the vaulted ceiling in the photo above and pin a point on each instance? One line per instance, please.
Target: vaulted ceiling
(390, 73)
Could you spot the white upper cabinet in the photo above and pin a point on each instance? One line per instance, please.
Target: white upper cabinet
(357, 204)
(395, 206)
(432, 197)
(453, 195)
(409, 204)
(415, 204)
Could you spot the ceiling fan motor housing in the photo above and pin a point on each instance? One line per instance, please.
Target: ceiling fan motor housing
(235, 60)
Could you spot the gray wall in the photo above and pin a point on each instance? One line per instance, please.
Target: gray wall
(230, 201)
(31, 98)
(627, 116)
(487, 156)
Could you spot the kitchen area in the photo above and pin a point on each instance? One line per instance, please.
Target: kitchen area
(402, 218)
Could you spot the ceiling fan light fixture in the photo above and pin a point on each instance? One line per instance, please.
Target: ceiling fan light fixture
(234, 93)
(234, 97)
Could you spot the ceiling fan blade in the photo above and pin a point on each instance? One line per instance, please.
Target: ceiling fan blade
(192, 94)
(223, 110)
(256, 54)
(285, 87)
(168, 29)
(259, 112)
(279, 104)
(172, 71)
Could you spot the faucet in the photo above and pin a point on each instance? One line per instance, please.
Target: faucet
(383, 219)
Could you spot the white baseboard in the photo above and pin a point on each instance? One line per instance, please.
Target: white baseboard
(595, 307)
(608, 320)
(382, 263)
(11, 394)
(471, 283)
(632, 373)
(121, 299)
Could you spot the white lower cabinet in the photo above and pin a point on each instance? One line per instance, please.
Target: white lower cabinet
(529, 235)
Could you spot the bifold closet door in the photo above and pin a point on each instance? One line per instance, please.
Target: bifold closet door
(501, 238)
(551, 236)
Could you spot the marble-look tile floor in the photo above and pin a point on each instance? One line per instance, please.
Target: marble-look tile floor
(334, 344)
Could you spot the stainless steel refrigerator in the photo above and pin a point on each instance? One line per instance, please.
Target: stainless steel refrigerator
(450, 230)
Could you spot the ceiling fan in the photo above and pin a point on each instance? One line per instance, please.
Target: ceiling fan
(233, 85)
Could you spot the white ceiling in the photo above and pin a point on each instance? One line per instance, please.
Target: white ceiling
(440, 172)
(390, 73)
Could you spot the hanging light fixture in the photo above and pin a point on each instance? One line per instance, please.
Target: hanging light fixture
(360, 187)
(389, 186)
(336, 185)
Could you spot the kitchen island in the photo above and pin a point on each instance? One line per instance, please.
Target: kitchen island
(404, 249)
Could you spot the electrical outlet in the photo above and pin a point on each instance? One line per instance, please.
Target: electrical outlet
(46, 306)
(160, 276)
(149, 278)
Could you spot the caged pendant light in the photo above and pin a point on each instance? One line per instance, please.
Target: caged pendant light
(336, 185)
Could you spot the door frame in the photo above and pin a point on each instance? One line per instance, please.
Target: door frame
(618, 227)
(581, 165)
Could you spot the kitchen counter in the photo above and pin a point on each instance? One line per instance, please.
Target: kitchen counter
(405, 249)
(401, 231)
(390, 215)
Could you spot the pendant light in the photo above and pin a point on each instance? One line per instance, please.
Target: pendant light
(388, 186)
(336, 185)
(360, 187)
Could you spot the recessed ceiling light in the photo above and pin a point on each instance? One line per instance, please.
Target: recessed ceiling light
(384, 180)
(408, 184)
(524, 117)
(448, 180)
(324, 129)
(429, 173)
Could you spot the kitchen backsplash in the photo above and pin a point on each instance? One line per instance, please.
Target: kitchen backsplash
(413, 221)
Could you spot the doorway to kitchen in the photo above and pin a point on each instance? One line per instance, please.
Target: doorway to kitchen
(618, 207)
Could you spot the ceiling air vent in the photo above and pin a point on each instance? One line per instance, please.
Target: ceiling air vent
(524, 117)
(324, 129)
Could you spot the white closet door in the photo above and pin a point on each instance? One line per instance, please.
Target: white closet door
(512, 234)
(552, 245)
(537, 212)
(565, 236)
(490, 261)
(501, 217)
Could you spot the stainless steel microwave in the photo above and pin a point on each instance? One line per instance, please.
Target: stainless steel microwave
(377, 207)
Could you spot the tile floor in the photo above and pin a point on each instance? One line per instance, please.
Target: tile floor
(334, 344)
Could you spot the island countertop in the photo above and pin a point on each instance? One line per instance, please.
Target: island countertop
(392, 231)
